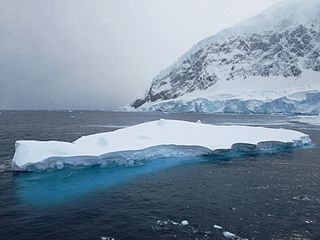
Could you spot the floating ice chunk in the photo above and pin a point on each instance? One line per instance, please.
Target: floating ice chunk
(312, 120)
(107, 238)
(227, 234)
(199, 121)
(162, 138)
(217, 227)
(184, 223)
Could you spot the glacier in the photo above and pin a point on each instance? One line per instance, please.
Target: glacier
(308, 106)
(253, 95)
(162, 139)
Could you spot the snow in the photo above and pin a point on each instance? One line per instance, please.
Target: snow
(301, 12)
(244, 78)
(162, 138)
(255, 94)
(255, 88)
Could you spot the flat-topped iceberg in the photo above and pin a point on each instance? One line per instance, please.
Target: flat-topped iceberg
(156, 139)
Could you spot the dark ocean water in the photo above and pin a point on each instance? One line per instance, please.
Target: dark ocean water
(274, 196)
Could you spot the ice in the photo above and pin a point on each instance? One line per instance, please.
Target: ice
(227, 234)
(184, 223)
(137, 144)
(312, 120)
(217, 227)
(107, 238)
(255, 94)
(240, 104)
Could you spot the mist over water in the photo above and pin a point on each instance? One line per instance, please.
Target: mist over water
(100, 54)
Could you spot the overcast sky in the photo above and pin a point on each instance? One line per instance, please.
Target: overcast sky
(100, 54)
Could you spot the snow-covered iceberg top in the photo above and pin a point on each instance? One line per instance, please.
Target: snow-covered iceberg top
(163, 138)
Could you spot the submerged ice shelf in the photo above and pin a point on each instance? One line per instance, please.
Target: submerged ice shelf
(156, 139)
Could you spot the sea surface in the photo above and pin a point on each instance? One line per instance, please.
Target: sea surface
(271, 196)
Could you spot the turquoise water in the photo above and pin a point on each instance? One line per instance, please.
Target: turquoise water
(49, 188)
(262, 196)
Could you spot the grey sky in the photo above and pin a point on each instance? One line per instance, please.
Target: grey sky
(100, 54)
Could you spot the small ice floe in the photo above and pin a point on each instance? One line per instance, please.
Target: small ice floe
(217, 227)
(309, 222)
(184, 223)
(166, 224)
(107, 238)
(302, 198)
(311, 120)
(160, 222)
(199, 121)
(229, 235)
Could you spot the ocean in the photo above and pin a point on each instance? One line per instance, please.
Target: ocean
(270, 196)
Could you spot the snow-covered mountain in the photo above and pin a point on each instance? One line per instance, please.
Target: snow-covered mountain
(269, 63)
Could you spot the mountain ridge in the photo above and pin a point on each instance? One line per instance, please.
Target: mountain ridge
(282, 41)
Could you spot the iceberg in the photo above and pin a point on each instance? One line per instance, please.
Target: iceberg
(161, 139)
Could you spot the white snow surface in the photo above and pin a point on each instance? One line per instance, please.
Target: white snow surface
(255, 88)
(262, 88)
(166, 134)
